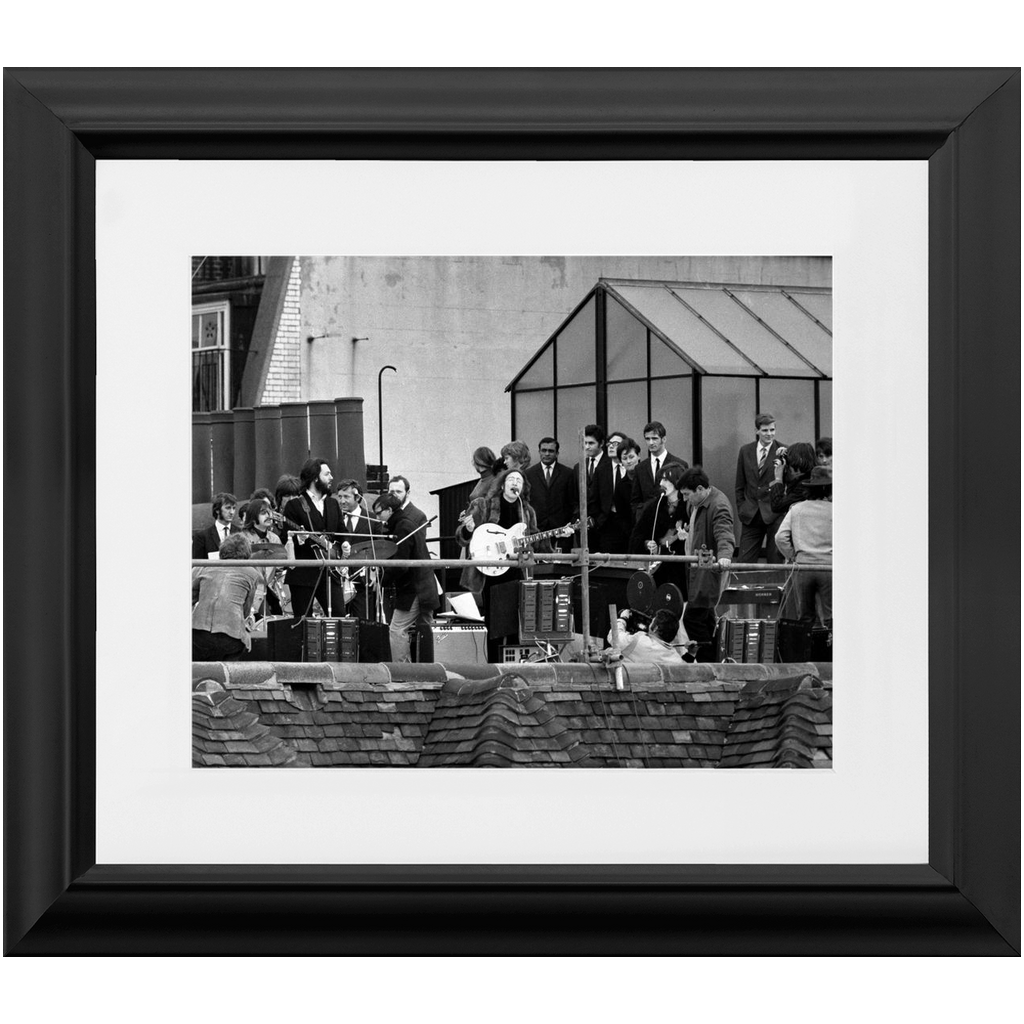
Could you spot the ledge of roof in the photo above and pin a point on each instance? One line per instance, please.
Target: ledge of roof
(455, 678)
(381, 715)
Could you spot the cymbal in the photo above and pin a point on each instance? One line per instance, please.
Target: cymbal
(375, 549)
(269, 551)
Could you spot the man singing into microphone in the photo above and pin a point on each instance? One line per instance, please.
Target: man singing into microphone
(505, 504)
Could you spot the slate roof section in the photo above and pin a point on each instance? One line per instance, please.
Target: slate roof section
(566, 715)
(498, 722)
(783, 723)
(226, 734)
(337, 715)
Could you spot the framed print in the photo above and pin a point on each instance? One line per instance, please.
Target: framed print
(962, 124)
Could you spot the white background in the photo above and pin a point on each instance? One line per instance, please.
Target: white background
(871, 808)
(874, 32)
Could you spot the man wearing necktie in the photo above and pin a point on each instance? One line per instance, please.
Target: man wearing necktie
(647, 478)
(355, 529)
(552, 491)
(204, 542)
(599, 485)
(754, 474)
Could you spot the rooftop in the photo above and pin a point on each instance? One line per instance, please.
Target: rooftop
(263, 714)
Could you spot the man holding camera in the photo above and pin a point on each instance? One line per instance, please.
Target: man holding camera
(754, 474)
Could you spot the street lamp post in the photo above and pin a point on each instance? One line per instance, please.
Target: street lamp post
(380, 414)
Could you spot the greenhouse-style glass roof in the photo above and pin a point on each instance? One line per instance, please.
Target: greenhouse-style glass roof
(729, 330)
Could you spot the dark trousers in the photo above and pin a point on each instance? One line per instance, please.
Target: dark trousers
(754, 533)
(359, 606)
(207, 646)
(809, 598)
(699, 624)
(302, 598)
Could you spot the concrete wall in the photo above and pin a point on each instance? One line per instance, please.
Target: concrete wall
(458, 329)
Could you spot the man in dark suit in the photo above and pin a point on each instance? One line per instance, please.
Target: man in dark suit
(356, 528)
(599, 485)
(400, 488)
(754, 474)
(315, 511)
(415, 586)
(552, 490)
(648, 474)
(619, 525)
(205, 542)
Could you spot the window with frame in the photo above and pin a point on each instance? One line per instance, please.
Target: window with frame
(211, 329)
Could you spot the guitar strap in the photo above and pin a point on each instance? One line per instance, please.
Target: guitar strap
(309, 513)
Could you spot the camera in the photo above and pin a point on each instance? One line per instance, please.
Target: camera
(780, 454)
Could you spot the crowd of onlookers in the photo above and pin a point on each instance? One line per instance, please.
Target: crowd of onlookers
(638, 501)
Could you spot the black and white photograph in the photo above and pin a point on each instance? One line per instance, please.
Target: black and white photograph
(517, 450)
(512, 511)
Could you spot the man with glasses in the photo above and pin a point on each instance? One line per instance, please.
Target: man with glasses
(620, 524)
(552, 491)
(648, 474)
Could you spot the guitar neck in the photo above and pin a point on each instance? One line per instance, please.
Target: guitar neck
(552, 533)
(540, 536)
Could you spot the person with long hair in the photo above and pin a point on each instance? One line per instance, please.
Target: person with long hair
(256, 525)
(257, 522)
(505, 504)
(319, 517)
(484, 463)
(516, 455)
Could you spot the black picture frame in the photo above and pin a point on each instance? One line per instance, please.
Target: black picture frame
(964, 122)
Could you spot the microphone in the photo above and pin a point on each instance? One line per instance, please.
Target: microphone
(654, 525)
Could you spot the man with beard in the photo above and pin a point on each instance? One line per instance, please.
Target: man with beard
(504, 505)
(415, 586)
(314, 510)
(355, 529)
(205, 542)
(400, 488)
(552, 489)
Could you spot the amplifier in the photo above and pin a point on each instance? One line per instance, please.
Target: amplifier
(515, 653)
(374, 641)
(799, 641)
(279, 641)
(545, 609)
(330, 639)
(460, 645)
(746, 640)
(752, 595)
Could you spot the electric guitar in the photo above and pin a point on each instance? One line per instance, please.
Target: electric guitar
(491, 542)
